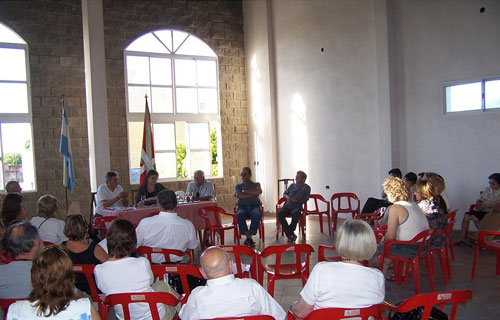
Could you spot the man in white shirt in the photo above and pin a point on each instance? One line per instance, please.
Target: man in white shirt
(227, 296)
(200, 188)
(166, 230)
(111, 194)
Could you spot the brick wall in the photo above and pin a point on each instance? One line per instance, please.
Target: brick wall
(53, 31)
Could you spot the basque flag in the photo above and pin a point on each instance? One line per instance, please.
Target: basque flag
(65, 149)
(148, 150)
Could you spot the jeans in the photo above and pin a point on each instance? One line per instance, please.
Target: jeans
(249, 211)
(295, 213)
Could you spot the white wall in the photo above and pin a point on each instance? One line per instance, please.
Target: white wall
(440, 42)
(328, 102)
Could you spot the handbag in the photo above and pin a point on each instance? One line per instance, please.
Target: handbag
(416, 314)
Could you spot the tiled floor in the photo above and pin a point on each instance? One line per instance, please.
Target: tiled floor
(485, 303)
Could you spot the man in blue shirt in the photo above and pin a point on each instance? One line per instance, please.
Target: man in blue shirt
(247, 192)
(296, 195)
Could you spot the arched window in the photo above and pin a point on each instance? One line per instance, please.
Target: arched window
(179, 74)
(16, 137)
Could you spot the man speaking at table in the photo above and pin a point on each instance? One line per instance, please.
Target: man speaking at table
(166, 230)
(110, 194)
(200, 188)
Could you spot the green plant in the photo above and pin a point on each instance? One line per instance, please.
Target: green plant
(214, 170)
(13, 159)
(27, 144)
(181, 155)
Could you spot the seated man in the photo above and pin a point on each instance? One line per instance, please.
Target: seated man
(227, 296)
(296, 195)
(13, 186)
(200, 188)
(110, 194)
(166, 230)
(21, 240)
(247, 192)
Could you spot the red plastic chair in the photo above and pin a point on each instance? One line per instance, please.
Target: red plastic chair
(262, 234)
(428, 300)
(151, 298)
(5, 304)
(442, 252)
(100, 224)
(148, 252)
(351, 202)
(322, 257)
(398, 262)
(257, 317)
(183, 270)
(374, 312)
(310, 209)
(490, 245)
(237, 252)
(302, 220)
(88, 271)
(451, 219)
(213, 224)
(48, 243)
(278, 271)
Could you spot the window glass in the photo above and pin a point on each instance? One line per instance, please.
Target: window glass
(135, 144)
(161, 71)
(196, 45)
(136, 101)
(207, 99)
(164, 137)
(179, 38)
(201, 160)
(492, 94)
(161, 100)
(12, 64)
(9, 36)
(186, 100)
(147, 43)
(185, 72)
(463, 97)
(165, 164)
(13, 98)
(198, 136)
(165, 37)
(207, 73)
(138, 70)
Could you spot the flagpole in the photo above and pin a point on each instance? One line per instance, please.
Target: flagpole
(65, 189)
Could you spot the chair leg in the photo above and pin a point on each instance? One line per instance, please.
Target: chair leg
(474, 262)
(270, 285)
(450, 246)
(429, 271)
(416, 276)
(498, 263)
(221, 234)
(444, 264)
(329, 224)
(277, 227)
(320, 215)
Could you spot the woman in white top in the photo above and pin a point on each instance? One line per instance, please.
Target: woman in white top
(347, 283)
(53, 295)
(405, 219)
(49, 228)
(122, 273)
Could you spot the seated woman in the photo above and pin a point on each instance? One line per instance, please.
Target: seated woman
(438, 191)
(430, 205)
(405, 219)
(13, 209)
(53, 295)
(489, 201)
(122, 273)
(80, 251)
(347, 283)
(150, 188)
(49, 228)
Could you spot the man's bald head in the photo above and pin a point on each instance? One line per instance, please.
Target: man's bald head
(215, 263)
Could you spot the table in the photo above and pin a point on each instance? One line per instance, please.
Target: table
(187, 211)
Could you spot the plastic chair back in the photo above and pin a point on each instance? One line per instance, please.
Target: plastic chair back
(482, 243)
(315, 206)
(322, 257)
(151, 298)
(213, 224)
(237, 252)
(148, 252)
(183, 270)
(428, 300)
(5, 304)
(48, 243)
(302, 220)
(262, 234)
(88, 271)
(344, 202)
(100, 224)
(280, 270)
(257, 317)
(373, 312)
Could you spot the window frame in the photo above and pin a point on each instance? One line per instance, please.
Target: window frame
(175, 116)
(18, 117)
(483, 109)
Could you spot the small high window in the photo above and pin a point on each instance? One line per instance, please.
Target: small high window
(477, 95)
(16, 137)
(179, 74)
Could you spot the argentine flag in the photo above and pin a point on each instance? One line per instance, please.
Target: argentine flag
(65, 149)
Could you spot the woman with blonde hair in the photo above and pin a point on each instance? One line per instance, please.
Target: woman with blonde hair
(429, 203)
(405, 219)
(347, 283)
(49, 228)
(53, 295)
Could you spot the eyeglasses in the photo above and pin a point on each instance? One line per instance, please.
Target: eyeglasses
(244, 174)
(52, 247)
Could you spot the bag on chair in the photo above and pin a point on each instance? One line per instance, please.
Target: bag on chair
(416, 314)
